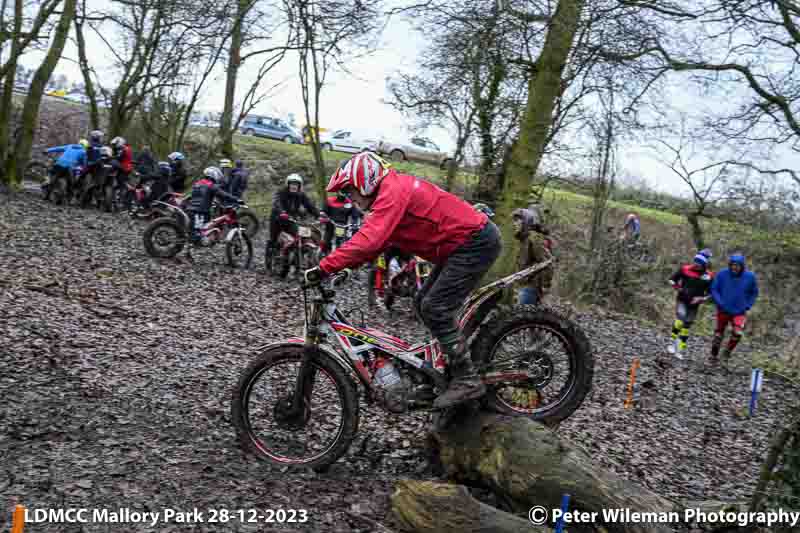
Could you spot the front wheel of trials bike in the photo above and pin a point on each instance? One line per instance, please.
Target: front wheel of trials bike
(553, 352)
(261, 409)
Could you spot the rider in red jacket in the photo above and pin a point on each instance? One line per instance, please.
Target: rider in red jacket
(420, 218)
(123, 160)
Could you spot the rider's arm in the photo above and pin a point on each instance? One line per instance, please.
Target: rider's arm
(56, 149)
(220, 193)
(309, 205)
(387, 212)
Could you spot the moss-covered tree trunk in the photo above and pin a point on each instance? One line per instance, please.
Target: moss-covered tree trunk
(18, 158)
(544, 89)
(7, 101)
(525, 464)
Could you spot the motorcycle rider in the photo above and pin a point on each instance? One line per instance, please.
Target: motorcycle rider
(226, 166)
(72, 156)
(178, 180)
(288, 203)
(160, 185)
(237, 183)
(204, 191)
(441, 228)
(533, 249)
(122, 161)
(146, 163)
(338, 209)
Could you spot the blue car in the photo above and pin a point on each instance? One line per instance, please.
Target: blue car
(271, 128)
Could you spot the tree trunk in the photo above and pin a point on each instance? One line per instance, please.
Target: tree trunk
(697, 230)
(526, 464)
(544, 90)
(7, 102)
(20, 156)
(234, 62)
(86, 71)
(424, 506)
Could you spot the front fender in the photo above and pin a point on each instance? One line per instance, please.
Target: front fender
(233, 233)
(299, 343)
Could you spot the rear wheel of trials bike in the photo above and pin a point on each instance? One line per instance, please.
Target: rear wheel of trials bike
(317, 438)
(551, 349)
(164, 238)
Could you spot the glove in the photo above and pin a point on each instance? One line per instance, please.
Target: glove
(284, 216)
(698, 300)
(313, 276)
(323, 219)
(674, 285)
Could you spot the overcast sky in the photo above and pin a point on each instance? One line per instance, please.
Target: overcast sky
(355, 101)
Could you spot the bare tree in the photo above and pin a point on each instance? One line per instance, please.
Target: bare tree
(252, 36)
(707, 183)
(438, 100)
(18, 157)
(327, 35)
(605, 134)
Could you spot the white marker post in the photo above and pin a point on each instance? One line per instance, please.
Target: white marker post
(756, 379)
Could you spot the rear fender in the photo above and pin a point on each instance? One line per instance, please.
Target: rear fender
(172, 209)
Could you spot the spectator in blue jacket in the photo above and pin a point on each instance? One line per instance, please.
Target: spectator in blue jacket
(73, 156)
(734, 290)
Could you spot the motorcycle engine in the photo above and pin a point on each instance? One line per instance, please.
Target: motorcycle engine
(395, 398)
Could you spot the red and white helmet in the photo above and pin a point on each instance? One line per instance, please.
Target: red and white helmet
(364, 171)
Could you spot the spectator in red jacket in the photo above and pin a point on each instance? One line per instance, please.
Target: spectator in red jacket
(420, 218)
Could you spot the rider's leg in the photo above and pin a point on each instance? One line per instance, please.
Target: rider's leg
(719, 332)
(459, 276)
(737, 327)
(274, 231)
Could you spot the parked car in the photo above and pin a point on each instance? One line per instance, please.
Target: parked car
(347, 141)
(417, 149)
(271, 128)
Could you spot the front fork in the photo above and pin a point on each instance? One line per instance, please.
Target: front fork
(304, 383)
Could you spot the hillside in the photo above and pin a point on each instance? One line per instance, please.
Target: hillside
(775, 257)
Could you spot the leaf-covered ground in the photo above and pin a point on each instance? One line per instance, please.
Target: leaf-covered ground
(116, 372)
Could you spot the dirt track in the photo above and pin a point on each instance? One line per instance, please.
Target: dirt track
(116, 382)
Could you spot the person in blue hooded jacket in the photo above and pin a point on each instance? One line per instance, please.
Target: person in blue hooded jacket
(73, 156)
(734, 290)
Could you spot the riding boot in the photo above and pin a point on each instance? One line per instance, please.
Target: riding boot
(465, 383)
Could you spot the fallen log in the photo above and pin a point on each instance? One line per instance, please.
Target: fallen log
(425, 506)
(525, 464)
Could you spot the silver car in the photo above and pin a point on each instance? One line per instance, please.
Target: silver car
(347, 141)
(417, 149)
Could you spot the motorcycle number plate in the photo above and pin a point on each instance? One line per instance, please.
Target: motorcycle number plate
(381, 262)
(340, 231)
(304, 231)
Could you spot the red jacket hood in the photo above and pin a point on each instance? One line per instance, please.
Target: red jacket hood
(414, 215)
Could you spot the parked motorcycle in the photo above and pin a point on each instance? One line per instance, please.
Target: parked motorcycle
(396, 278)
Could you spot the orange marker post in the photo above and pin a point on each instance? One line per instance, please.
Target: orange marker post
(634, 367)
(18, 522)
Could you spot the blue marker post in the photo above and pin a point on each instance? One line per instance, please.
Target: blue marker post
(755, 387)
(564, 507)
